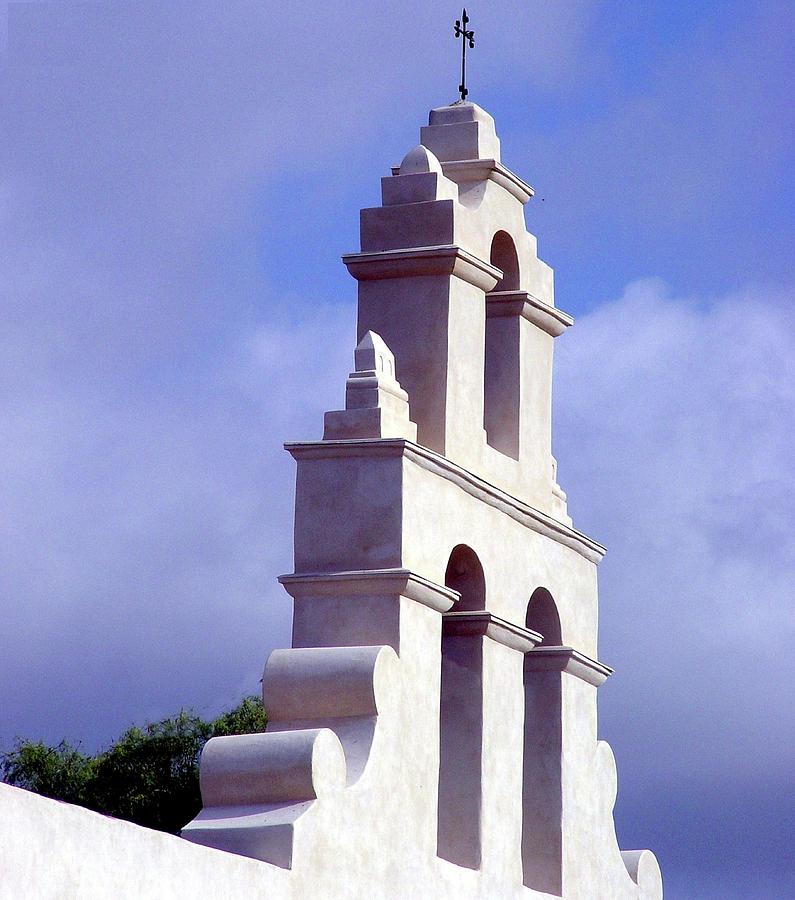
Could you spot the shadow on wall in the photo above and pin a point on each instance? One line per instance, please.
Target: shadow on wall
(542, 616)
(504, 256)
(541, 782)
(461, 719)
(501, 374)
(464, 574)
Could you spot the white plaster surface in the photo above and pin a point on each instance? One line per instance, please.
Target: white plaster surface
(55, 851)
(479, 763)
(427, 737)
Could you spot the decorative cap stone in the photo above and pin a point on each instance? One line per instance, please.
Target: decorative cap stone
(461, 131)
(419, 161)
(373, 355)
(375, 404)
(460, 112)
(421, 179)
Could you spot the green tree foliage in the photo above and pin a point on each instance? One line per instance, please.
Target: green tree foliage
(60, 772)
(150, 775)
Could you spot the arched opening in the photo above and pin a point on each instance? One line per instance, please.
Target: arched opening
(501, 374)
(503, 256)
(543, 617)
(465, 574)
(542, 838)
(461, 718)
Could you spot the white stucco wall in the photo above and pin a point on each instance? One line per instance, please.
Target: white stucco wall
(56, 851)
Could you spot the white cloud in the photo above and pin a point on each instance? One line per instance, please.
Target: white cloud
(674, 423)
(142, 533)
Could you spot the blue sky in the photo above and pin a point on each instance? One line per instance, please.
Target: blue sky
(178, 183)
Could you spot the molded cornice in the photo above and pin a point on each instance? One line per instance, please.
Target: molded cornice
(484, 623)
(445, 259)
(468, 170)
(531, 518)
(519, 303)
(370, 582)
(464, 170)
(567, 659)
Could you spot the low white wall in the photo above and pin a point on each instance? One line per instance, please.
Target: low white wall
(55, 850)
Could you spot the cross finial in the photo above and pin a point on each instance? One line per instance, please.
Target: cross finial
(468, 37)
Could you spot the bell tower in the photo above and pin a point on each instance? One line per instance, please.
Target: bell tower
(433, 727)
(450, 278)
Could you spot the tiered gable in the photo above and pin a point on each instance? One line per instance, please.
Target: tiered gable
(433, 728)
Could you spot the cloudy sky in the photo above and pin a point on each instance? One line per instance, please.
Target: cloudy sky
(178, 182)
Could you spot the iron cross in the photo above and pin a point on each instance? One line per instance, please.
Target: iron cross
(468, 37)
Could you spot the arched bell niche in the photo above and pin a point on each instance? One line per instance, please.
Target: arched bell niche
(464, 574)
(543, 617)
(501, 375)
(542, 838)
(504, 256)
(461, 717)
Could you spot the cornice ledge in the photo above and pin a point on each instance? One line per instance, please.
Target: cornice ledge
(488, 170)
(444, 259)
(527, 515)
(389, 447)
(521, 303)
(369, 582)
(567, 659)
(465, 170)
(481, 622)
